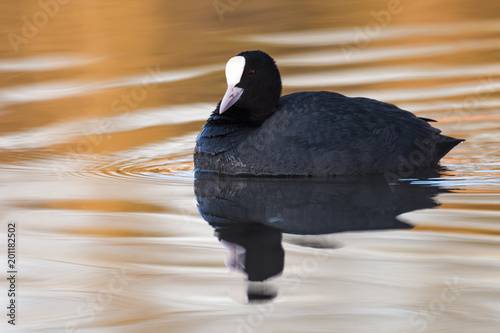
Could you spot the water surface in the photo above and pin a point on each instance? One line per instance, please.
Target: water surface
(100, 105)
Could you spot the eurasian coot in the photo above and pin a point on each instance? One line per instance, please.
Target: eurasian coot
(255, 132)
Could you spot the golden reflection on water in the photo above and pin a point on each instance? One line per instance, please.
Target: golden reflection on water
(100, 107)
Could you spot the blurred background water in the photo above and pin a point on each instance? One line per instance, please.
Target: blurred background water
(100, 105)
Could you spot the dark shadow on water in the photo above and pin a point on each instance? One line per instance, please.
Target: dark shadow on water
(250, 215)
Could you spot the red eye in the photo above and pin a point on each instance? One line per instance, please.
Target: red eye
(251, 72)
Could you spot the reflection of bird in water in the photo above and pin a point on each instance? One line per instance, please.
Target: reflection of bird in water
(255, 250)
(250, 214)
(247, 245)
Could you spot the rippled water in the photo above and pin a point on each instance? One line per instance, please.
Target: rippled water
(100, 104)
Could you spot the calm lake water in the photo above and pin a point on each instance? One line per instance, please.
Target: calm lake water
(100, 106)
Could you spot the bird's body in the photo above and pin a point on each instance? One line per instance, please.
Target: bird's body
(316, 134)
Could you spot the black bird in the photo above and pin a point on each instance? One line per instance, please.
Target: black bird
(254, 131)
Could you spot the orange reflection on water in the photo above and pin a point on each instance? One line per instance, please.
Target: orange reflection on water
(100, 109)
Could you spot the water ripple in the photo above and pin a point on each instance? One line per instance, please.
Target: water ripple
(66, 131)
(45, 63)
(64, 89)
(341, 36)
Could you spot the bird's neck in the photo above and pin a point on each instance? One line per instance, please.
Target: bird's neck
(244, 117)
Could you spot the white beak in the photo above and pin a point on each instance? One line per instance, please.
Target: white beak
(231, 96)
